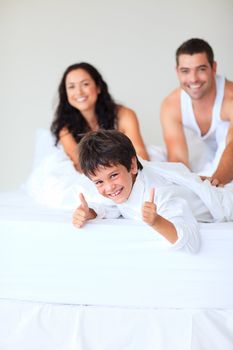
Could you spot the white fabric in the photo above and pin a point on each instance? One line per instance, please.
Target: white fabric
(54, 182)
(189, 120)
(109, 262)
(204, 151)
(44, 146)
(36, 326)
(112, 285)
(218, 200)
(210, 146)
(181, 197)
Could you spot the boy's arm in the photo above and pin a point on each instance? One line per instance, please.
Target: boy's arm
(83, 213)
(157, 222)
(173, 219)
(96, 210)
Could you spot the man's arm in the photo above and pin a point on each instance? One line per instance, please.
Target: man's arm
(224, 171)
(173, 132)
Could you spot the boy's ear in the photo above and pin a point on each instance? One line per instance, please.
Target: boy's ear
(134, 166)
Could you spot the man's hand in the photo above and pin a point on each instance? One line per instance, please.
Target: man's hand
(213, 181)
(149, 210)
(82, 213)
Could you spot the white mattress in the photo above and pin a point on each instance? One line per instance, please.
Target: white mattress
(119, 262)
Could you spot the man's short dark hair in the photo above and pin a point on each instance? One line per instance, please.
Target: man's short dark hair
(194, 46)
(105, 148)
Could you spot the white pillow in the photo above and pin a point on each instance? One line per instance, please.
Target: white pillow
(44, 145)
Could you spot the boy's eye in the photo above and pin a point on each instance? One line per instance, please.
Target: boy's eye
(114, 175)
(98, 183)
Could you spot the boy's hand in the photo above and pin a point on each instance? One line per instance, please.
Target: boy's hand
(149, 210)
(82, 213)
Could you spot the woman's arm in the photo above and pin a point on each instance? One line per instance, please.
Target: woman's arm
(129, 125)
(70, 146)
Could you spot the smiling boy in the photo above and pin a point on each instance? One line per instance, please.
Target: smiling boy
(170, 203)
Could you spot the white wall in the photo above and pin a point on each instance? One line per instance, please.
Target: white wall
(132, 43)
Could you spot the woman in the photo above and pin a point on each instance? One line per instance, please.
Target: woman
(84, 105)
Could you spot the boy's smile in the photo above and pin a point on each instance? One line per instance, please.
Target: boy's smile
(115, 182)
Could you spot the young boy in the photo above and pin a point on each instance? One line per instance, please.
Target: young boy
(171, 202)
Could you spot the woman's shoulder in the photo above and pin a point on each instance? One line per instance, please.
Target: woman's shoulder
(125, 113)
(63, 132)
(126, 119)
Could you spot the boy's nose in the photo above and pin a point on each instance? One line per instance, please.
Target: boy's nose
(109, 186)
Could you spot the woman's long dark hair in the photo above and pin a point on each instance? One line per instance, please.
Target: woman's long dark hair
(71, 118)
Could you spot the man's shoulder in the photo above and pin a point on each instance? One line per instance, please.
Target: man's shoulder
(229, 89)
(227, 107)
(172, 97)
(171, 106)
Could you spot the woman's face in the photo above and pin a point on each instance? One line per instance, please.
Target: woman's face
(81, 89)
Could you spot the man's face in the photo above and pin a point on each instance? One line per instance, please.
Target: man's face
(196, 75)
(115, 182)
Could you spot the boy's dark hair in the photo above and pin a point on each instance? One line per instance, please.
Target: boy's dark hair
(193, 46)
(105, 148)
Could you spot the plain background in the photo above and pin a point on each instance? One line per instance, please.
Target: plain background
(131, 42)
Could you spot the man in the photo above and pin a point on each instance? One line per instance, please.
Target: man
(197, 117)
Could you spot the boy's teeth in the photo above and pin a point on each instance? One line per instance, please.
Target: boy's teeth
(115, 193)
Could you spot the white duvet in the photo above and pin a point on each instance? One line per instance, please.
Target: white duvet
(54, 181)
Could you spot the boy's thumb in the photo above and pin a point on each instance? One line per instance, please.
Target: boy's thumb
(152, 195)
(83, 202)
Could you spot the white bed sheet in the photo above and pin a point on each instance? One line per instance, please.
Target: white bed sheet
(112, 285)
(119, 262)
(36, 326)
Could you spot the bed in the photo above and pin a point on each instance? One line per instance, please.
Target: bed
(113, 284)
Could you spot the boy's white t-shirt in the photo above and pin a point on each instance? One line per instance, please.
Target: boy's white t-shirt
(181, 198)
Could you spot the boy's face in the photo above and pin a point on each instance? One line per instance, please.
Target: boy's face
(115, 182)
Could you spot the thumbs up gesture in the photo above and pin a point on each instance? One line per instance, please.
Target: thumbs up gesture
(82, 213)
(149, 209)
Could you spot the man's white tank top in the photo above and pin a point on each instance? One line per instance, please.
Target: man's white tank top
(216, 135)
